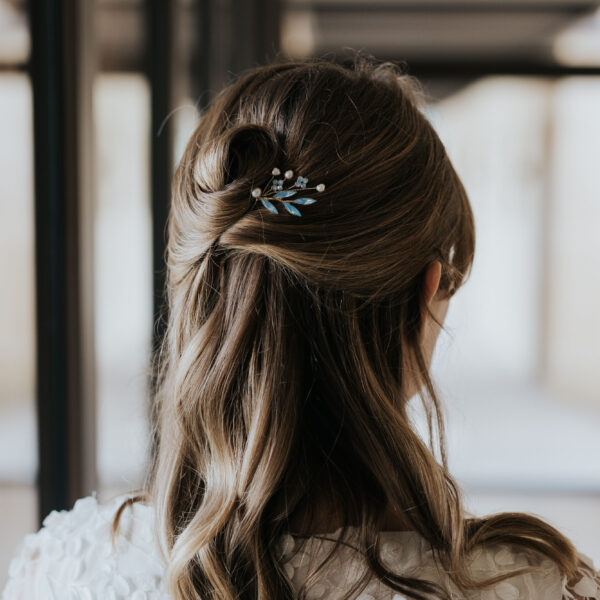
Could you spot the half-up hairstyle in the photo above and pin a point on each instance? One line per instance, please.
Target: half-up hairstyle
(282, 377)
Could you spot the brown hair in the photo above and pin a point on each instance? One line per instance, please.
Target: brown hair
(282, 376)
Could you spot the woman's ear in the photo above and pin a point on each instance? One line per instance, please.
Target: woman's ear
(431, 284)
(433, 275)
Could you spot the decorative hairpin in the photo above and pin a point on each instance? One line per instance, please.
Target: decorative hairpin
(278, 193)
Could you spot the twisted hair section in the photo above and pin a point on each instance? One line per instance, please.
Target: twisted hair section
(282, 378)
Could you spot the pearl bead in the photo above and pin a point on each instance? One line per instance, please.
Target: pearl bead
(320, 187)
(275, 171)
(289, 174)
(256, 192)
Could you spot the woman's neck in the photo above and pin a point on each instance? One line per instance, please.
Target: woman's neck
(326, 522)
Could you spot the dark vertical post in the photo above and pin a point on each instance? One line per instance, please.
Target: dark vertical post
(232, 36)
(256, 31)
(61, 75)
(159, 52)
(200, 67)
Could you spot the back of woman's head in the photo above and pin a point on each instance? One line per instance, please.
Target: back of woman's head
(284, 374)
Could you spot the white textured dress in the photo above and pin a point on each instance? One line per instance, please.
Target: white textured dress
(71, 557)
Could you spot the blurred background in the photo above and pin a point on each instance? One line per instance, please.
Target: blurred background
(97, 100)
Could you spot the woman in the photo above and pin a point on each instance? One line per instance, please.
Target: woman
(316, 234)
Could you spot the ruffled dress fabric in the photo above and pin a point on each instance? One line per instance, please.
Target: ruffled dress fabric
(71, 557)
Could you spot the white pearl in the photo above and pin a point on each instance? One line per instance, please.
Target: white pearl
(289, 174)
(275, 171)
(256, 192)
(320, 187)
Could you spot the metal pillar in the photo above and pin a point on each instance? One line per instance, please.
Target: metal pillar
(61, 72)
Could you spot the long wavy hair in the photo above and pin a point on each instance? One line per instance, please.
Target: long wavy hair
(281, 382)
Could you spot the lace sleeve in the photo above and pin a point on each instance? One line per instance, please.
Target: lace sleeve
(72, 556)
(547, 583)
(22, 572)
(28, 573)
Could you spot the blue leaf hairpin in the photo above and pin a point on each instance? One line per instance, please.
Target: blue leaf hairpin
(278, 193)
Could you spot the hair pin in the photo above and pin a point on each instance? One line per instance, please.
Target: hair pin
(277, 192)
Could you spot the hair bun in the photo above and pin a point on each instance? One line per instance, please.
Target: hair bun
(251, 150)
(224, 169)
(240, 154)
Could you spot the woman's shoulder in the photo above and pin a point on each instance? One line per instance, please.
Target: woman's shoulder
(72, 555)
(546, 582)
(409, 555)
